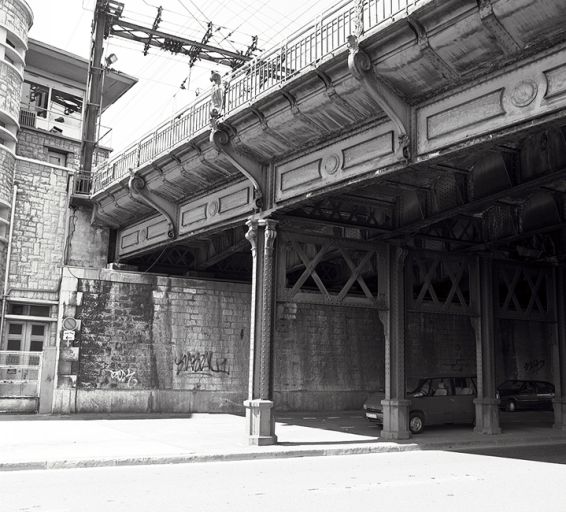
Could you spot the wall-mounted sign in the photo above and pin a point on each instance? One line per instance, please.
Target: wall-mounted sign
(68, 335)
(69, 323)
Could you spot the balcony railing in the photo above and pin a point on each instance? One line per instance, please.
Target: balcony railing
(59, 123)
(53, 121)
(271, 70)
(83, 183)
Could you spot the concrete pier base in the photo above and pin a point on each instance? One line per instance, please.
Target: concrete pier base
(395, 419)
(260, 422)
(487, 416)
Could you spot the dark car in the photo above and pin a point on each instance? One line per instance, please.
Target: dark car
(434, 401)
(517, 395)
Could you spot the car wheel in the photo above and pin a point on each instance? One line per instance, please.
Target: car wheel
(416, 423)
(511, 406)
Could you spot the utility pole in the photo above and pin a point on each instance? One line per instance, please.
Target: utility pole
(108, 22)
(94, 88)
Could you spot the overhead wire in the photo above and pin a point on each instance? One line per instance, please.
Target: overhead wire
(247, 15)
(145, 66)
(194, 5)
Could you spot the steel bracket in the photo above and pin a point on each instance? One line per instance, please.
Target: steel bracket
(394, 107)
(140, 193)
(249, 167)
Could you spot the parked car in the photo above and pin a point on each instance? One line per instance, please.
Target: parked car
(435, 401)
(517, 395)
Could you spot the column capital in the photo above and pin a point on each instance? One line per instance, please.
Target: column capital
(268, 223)
(270, 226)
(251, 234)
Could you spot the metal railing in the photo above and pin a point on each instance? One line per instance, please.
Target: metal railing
(20, 373)
(59, 123)
(272, 69)
(53, 121)
(83, 183)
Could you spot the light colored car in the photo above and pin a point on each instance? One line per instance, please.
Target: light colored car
(434, 401)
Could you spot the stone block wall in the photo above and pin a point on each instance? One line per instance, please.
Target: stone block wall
(37, 250)
(10, 87)
(150, 343)
(524, 350)
(17, 17)
(438, 344)
(7, 164)
(327, 357)
(153, 343)
(39, 227)
(3, 255)
(36, 143)
(88, 244)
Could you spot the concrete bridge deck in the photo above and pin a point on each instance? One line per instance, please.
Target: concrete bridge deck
(426, 114)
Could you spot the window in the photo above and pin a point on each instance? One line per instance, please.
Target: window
(56, 157)
(29, 310)
(39, 310)
(16, 309)
(25, 336)
(66, 112)
(545, 387)
(35, 98)
(15, 329)
(464, 386)
(51, 109)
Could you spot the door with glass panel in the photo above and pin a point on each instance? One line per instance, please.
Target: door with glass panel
(20, 358)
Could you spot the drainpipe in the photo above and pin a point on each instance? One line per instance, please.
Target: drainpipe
(8, 257)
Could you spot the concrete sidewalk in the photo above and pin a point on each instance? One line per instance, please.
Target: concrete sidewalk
(51, 442)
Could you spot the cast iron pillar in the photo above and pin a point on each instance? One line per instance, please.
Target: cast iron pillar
(487, 405)
(395, 405)
(559, 353)
(259, 418)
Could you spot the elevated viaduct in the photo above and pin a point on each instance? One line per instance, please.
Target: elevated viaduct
(398, 164)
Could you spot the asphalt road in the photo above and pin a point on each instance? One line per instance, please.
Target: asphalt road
(553, 454)
(424, 481)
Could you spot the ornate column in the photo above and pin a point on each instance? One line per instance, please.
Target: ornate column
(487, 405)
(395, 405)
(259, 418)
(559, 353)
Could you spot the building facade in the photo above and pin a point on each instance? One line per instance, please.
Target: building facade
(43, 223)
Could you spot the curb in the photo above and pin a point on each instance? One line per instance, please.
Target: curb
(206, 457)
(188, 458)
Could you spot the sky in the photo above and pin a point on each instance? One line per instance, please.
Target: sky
(157, 96)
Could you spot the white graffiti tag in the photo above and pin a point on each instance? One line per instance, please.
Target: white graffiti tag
(123, 376)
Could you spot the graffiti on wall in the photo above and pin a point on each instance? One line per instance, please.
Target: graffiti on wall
(534, 366)
(113, 376)
(202, 362)
(121, 376)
